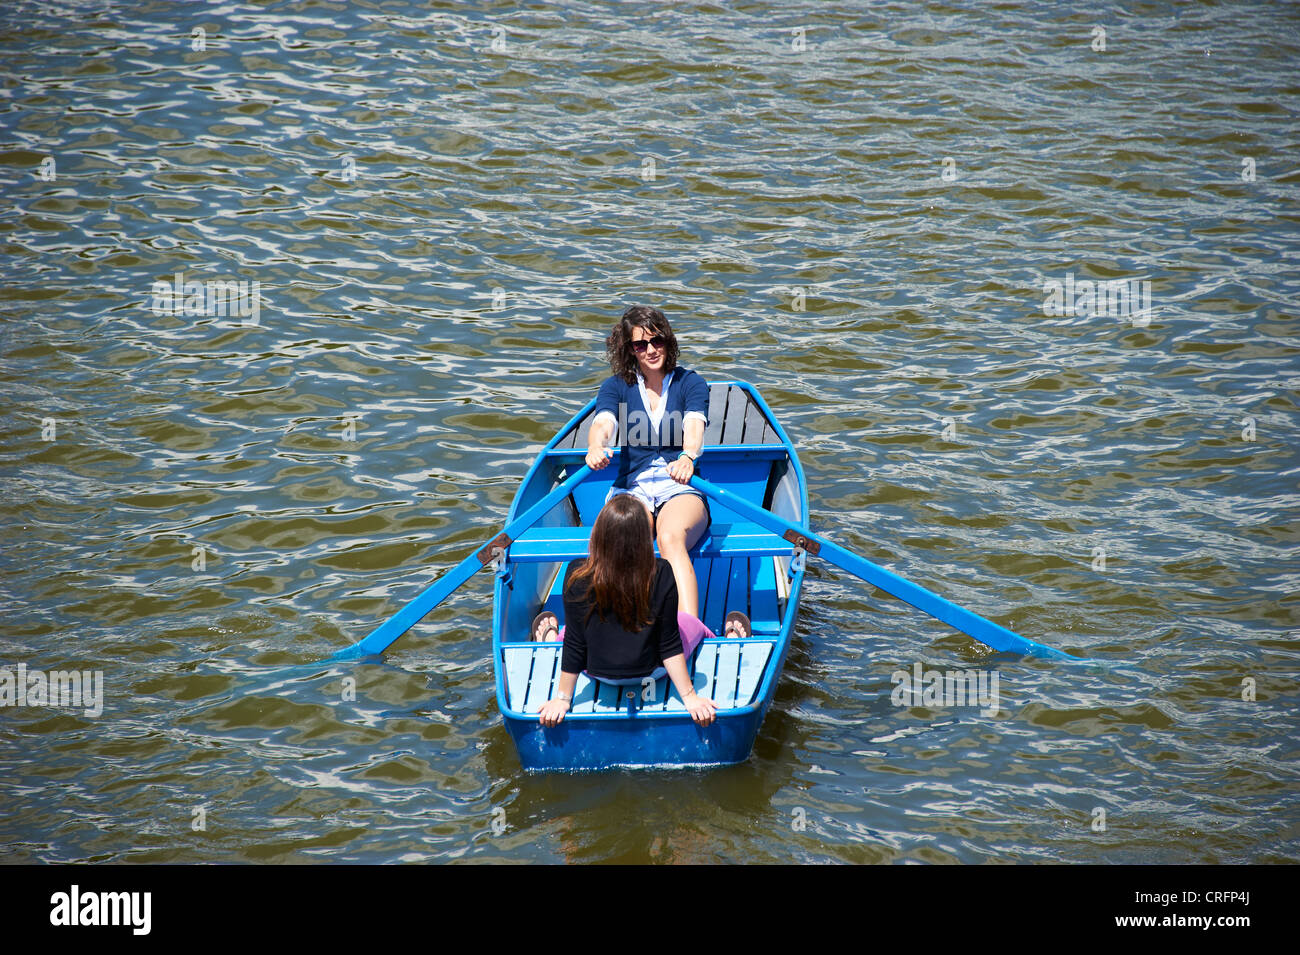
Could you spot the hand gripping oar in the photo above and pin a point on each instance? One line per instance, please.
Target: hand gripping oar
(985, 631)
(382, 636)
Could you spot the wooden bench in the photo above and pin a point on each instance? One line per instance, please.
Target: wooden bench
(729, 672)
(541, 544)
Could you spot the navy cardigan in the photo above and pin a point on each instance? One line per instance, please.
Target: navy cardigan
(686, 392)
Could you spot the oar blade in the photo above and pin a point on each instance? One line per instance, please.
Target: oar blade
(982, 629)
(972, 624)
(383, 636)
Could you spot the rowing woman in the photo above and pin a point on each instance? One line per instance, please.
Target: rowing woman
(664, 408)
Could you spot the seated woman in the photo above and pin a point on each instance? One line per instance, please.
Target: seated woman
(622, 623)
(664, 409)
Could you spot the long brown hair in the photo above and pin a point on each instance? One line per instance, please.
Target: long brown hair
(618, 346)
(621, 569)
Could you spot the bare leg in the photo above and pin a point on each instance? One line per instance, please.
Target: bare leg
(682, 522)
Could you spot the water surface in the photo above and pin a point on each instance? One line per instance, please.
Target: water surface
(856, 207)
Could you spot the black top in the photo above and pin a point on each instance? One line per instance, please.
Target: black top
(603, 648)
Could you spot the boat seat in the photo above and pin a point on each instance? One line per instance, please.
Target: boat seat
(546, 544)
(728, 672)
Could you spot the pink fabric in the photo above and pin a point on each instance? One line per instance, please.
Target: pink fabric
(691, 629)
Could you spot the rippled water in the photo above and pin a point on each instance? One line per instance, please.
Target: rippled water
(854, 206)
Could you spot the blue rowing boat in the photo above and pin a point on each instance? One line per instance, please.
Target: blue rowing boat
(751, 559)
(739, 564)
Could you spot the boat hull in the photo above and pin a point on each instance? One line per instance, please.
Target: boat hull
(585, 745)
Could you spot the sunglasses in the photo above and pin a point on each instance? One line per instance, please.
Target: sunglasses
(658, 341)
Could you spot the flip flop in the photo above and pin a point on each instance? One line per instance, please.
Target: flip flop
(738, 622)
(552, 625)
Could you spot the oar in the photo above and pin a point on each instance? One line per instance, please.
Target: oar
(985, 631)
(382, 636)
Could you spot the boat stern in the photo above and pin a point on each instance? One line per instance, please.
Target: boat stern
(634, 742)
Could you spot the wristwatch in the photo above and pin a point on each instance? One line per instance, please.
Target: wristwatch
(694, 459)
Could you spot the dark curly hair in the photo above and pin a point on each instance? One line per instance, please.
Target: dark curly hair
(618, 346)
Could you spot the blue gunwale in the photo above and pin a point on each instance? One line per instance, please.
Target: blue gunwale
(639, 738)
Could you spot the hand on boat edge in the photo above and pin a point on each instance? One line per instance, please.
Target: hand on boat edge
(702, 711)
(552, 712)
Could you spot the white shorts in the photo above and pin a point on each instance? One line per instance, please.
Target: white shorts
(654, 487)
